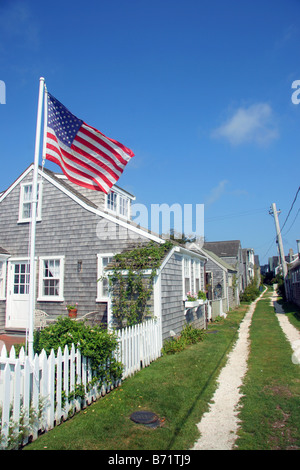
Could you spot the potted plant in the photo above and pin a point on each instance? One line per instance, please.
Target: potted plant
(191, 301)
(72, 310)
(201, 297)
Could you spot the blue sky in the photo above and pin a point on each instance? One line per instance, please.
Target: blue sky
(199, 90)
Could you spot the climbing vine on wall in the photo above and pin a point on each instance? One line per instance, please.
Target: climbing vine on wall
(131, 282)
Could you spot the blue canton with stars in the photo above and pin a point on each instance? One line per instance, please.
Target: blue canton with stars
(62, 121)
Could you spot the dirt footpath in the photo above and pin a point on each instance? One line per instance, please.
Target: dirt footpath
(219, 425)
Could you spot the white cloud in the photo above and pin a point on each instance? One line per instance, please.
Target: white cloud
(255, 124)
(216, 193)
(223, 189)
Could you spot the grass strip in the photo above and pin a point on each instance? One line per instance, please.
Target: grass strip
(176, 387)
(270, 413)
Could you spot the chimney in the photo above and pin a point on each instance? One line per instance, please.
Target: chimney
(298, 245)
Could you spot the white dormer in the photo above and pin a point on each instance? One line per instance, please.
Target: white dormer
(118, 202)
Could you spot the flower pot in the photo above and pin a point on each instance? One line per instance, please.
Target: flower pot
(72, 313)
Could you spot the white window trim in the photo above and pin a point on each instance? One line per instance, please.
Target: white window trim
(51, 298)
(195, 263)
(3, 259)
(100, 296)
(183, 275)
(21, 202)
(117, 211)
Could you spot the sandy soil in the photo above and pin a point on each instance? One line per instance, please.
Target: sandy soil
(219, 425)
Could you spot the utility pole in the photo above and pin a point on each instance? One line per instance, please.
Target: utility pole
(273, 211)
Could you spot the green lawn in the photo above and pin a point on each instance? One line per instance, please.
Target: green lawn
(179, 387)
(271, 405)
(176, 387)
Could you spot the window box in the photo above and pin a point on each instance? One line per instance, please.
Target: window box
(192, 303)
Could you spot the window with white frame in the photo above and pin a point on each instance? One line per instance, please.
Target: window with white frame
(102, 284)
(112, 201)
(197, 275)
(51, 278)
(26, 202)
(2, 278)
(186, 275)
(118, 203)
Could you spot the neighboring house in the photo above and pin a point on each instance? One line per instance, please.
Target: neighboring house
(257, 270)
(231, 252)
(220, 282)
(249, 265)
(78, 232)
(294, 281)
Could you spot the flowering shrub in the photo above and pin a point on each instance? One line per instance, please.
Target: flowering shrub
(72, 307)
(192, 296)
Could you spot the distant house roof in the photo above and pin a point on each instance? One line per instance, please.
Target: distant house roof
(3, 252)
(294, 265)
(218, 260)
(227, 249)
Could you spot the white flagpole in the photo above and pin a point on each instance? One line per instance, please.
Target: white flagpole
(33, 219)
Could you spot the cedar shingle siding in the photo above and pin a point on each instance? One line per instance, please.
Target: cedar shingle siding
(68, 230)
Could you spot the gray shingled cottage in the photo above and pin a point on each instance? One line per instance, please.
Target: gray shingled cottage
(220, 282)
(230, 251)
(78, 233)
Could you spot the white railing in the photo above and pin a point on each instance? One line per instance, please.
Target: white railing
(37, 395)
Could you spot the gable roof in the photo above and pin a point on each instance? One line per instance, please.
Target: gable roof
(212, 256)
(224, 249)
(83, 201)
(172, 248)
(218, 260)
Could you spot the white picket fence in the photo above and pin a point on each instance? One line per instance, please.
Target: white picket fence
(37, 395)
(139, 345)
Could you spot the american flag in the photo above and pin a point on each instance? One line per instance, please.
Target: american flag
(86, 156)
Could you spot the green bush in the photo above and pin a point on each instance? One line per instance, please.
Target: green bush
(93, 342)
(189, 335)
(250, 293)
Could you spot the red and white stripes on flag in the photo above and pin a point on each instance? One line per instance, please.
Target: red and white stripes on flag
(86, 156)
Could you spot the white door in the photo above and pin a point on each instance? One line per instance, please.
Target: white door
(17, 312)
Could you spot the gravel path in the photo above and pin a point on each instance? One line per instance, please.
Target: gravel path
(219, 425)
(292, 334)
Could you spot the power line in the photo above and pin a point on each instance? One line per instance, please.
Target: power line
(269, 248)
(293, 222)
(236, 214)
(290, 209)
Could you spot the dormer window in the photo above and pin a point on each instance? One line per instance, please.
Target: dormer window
(112, 201)
(118, 203)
